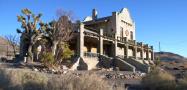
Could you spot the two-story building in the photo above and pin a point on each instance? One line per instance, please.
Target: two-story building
(111, 42)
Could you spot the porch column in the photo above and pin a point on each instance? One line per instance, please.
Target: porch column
(135, 52)
(147, 52)
(115, 26)
(101, 42)
(126, 48)
(142, 51)
(135, 49)
(152, 53)
(115, 45)
(81, 40)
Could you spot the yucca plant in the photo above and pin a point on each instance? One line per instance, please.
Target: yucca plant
(31, 30)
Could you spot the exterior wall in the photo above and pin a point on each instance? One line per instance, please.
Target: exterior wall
(130, 52)
(150, 55)
(120, 51)
(109, 27)
(125, 22)
(85, 49)
(138, 54)
(93, 50)
(144, 54)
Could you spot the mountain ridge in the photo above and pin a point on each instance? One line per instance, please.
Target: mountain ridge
(170, 56)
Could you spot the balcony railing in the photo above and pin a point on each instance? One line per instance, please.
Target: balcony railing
(121, 39)
(108, 36)
(90, 54)
(91, 34)
(131, 42)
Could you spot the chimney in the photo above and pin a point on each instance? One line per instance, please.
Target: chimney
(94, 14)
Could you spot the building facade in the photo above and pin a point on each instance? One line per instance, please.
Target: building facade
(111, 42)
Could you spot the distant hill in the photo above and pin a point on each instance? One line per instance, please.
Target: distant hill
(168, 56)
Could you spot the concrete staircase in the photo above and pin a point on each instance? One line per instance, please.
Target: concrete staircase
(76, 64)
(105, 61)
(139, 64)
(123, 65)
(91, 62)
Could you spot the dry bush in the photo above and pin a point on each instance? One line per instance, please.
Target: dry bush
(182, 83)
(159, 80)
(72, 82)
(17, 79)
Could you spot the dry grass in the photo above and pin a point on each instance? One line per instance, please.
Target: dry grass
(72, 82)
(159, 80)
(16, 79)
(182, 83)
(13, 79)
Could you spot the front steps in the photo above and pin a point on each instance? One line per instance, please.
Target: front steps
(128, 64)
(139, 64)
(123, 65)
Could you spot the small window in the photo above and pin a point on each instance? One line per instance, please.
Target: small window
(131, 35)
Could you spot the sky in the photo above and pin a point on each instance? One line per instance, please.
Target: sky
(163, 21)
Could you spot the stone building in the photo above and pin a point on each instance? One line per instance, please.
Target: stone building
(110, 41)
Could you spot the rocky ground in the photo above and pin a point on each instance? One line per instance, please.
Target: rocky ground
(115, 78)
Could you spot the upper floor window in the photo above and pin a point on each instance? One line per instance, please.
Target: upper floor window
(121, 32)
(131, 35)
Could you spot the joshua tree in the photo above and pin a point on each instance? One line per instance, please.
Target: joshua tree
(52, 36)
(30, 32)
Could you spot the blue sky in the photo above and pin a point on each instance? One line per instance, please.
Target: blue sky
(156, 20)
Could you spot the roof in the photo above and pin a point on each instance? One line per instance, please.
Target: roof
(98, 20)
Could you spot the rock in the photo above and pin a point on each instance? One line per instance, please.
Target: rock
(65, 72)
(35, 69)
(64, 67)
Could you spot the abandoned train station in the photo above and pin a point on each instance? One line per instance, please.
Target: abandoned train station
(110, 42)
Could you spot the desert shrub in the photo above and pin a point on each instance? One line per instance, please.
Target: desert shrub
(16, 79)
(19, 79)
(157, 61)
(182, 83)
(67, 52)
(159, 80)
(72, 82)
(47, 58)
(63, 53)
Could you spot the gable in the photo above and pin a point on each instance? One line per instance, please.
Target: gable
(125, 16)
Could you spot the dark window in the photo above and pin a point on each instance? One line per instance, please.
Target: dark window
(131, 35)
